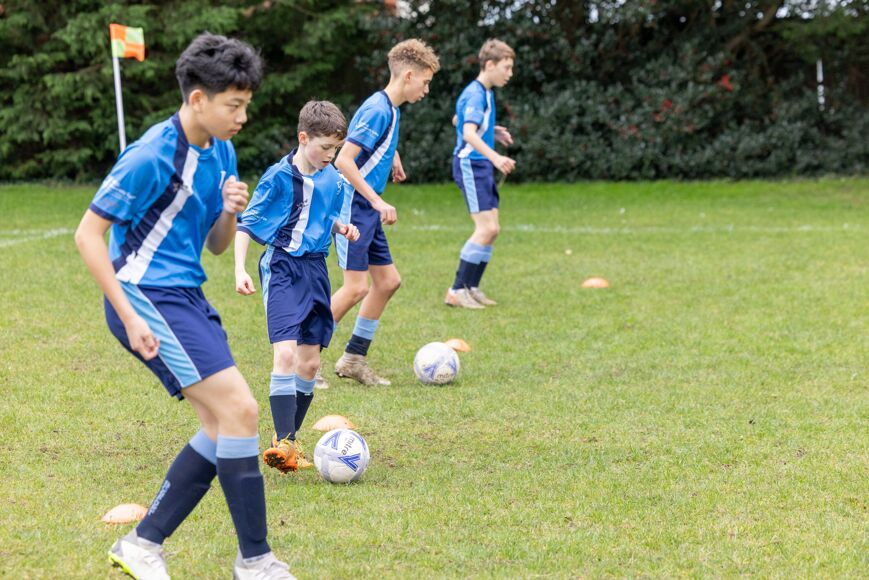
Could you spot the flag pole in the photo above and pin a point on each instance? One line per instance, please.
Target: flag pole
(119, 103)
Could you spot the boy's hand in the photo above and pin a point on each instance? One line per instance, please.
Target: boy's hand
(142, 340)
(504, 164)
(244, 284)
(388, 215)
(502, 136)
(398, 174)
(349, 231)
(235, 195)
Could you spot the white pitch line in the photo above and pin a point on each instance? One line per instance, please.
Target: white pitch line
(590, 230)
(31, 236)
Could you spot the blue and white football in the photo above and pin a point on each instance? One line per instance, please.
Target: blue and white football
(436, 364)
(341, 456)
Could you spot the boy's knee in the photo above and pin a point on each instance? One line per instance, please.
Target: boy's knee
(389, 285)
(285, 357)
(247, 411)
(359, 292)
(308, 368)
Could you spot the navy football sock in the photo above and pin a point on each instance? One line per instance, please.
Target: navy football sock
(304, 397)
(242, 483)
(282, 400)
(478, 274)
(187, 481)
(358, 345)
(464, 275)
(363, 334)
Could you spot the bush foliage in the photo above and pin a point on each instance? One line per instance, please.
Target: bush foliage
(602, 89)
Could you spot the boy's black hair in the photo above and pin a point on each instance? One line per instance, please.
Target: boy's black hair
(216, 63)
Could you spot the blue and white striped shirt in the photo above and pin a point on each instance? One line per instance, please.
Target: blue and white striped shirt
(294, 211)
(476, 105)
(163, 195)
(374, 128)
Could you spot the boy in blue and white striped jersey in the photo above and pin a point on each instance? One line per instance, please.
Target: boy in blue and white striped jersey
(170, 193)
(474, 164)
(366, 161)
(294, 213)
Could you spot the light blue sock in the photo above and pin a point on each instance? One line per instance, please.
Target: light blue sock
(473, 253)
(365, 327)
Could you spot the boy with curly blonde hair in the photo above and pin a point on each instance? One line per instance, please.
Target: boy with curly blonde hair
(367, 159)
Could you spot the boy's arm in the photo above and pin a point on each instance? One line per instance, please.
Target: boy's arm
(243, 281)
(346, 164)
(235, 196)
(91, 243)
(503, 136)
(501, 162)
(398, 174)
(349, 231)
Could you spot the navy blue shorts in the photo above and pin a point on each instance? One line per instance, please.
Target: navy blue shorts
(371, 249)
(476, 179)
(192, 341)
(297, 297)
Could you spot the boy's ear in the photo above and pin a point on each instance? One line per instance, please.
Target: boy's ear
(303, 138)
(196, 98)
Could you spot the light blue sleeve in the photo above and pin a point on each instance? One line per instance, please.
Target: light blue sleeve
(368, 126)
(474, 107)
(130, 185)
(266, 213)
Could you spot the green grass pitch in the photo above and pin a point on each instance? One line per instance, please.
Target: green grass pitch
(705, 416)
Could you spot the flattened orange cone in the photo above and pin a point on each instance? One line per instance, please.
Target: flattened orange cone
(596, 283)
(125, 513)
(330, 422)
(458, 344)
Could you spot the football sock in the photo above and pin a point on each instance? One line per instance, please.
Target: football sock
(187, 481)
(282, 400)
(304, 396)
(469, 259)
(481, 267)
(463, 274)
(363, 334)
(242, 483)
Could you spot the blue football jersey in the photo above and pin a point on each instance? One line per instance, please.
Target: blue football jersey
(163, 195)
(476, 105)
(374, 128)
(293, 211)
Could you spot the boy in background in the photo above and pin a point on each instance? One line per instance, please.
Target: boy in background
(474, 164)
(366, 161)
(294, 214)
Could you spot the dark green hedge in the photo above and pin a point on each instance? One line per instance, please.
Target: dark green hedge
(602, 90)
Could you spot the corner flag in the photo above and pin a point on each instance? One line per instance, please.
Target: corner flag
(127, 42)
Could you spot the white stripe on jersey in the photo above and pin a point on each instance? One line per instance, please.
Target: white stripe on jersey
(138, 262)
(302, 223)
(481, 130)
(380, 151)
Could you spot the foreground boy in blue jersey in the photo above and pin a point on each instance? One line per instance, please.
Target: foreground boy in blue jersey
(366, 160)
(171, 192)
(474, 164)
(293, 213)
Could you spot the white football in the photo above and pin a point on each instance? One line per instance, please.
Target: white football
(436, 364)
(341, 456)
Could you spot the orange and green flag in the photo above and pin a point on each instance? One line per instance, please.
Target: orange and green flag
(127, 42)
